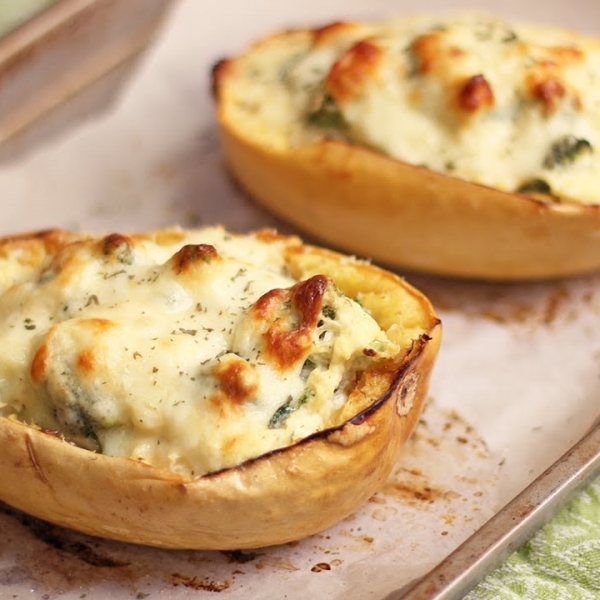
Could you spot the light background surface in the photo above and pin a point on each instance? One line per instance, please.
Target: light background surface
(517, 376)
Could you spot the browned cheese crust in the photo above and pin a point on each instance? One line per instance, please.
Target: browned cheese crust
(283, 495)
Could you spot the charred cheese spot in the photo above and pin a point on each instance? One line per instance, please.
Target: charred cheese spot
(475, 94)
(291, 315)
(232, 444)
(546, 80)
(432, 55)
(332, 32)
(549, 91)
(567, 55)
(89, 329)
(270, 235)
(118, 247)
(238, 381)
(85, 362)
(39, 364)
(352, 72)
(193, 254)
(21, 255)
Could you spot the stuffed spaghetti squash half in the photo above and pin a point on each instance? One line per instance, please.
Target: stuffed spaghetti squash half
(202, 389)
(455, 144)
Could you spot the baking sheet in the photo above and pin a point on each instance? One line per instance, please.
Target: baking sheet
(515, 384)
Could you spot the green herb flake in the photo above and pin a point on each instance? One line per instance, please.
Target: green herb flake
(535, 186)
(565, 151)
(329, 312)
(305, 396)
(93, 299)
(281, 415)
(191, 332)
(114, 274)
(327, 114)
(240, 273)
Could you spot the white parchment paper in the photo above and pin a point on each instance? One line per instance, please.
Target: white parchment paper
(515, 384)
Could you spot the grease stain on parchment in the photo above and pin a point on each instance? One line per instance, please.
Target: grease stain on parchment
(536, 304)
(441, 489)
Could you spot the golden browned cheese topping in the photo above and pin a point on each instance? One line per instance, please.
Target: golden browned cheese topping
(509, 105)
(353, 70)
(475, 94)
(289, 339)
(190, 350)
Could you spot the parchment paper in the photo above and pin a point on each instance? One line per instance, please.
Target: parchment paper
(514, 387)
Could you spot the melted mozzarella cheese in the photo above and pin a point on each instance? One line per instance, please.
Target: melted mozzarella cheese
(191, 351)
(470, 96)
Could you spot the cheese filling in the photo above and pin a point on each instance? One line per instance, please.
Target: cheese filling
(193, 353)
(514, 107)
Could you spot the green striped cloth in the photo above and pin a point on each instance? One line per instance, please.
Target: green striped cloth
(561, 561)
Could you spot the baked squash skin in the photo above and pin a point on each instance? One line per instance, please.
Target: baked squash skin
(321, 168)
(279, 496)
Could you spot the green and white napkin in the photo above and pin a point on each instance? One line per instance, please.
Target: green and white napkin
(561, 561)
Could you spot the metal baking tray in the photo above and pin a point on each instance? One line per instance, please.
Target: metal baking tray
(512, 526)
(51, 56)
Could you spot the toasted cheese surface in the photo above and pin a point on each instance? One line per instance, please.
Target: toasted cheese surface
(191, 350)
(511, 106)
